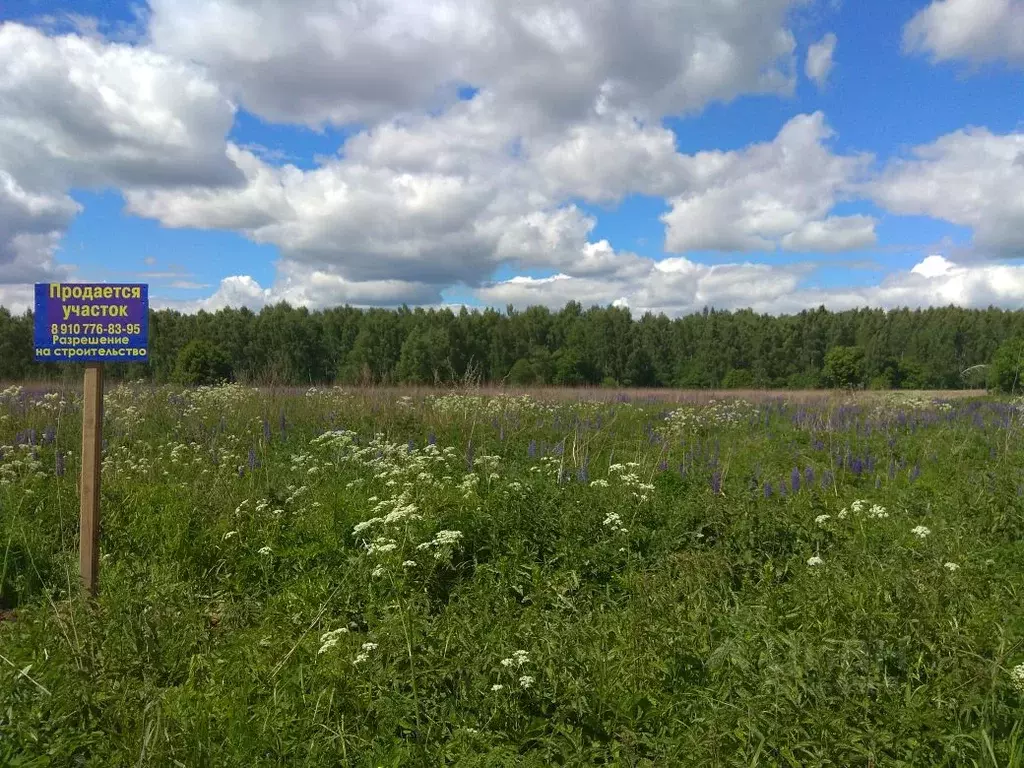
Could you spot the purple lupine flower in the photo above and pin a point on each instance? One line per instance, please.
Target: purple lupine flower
(253, 462)
(716, 482)
(794, 479)
(531, 449)
(410, 446)
(856, 466)
(869, 462)
(266, 429)
(809, 476)
(892, 469)
(915, 472)
(59, 467)
(431, 439)
(49, 435)
(663, 466)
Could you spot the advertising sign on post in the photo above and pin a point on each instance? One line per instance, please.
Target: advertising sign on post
(91, 323)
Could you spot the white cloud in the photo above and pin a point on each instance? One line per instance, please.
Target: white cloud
(971, 30)
(972, 178)
(679, 286)
(836, 233)
(80, 112)
(31, 225)
(819, 59)
(779, 192)
(316, 61)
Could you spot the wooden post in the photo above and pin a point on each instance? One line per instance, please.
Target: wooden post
(89, 509)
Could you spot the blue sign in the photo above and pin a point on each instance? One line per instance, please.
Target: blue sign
(92, 323)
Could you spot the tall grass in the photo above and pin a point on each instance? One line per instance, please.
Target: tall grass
(393, 577)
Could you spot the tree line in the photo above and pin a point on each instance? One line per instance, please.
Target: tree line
(912, 349)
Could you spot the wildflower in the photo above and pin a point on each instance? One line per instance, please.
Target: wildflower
(518, 659)
(920, 531)
(370, 646)
(360, 658)
(378, 572)
(822, 519)
(497, 687)
(526, 681)
(409, 564)
(951, 567)
(814, 561)
(877, 512)
(1017, 676)
(265, 551)
(330, 639)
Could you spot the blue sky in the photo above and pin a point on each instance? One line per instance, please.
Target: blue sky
(334, 222)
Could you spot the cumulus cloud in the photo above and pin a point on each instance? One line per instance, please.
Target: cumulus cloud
(972, 178)
(819, 59)
(679, 286)
(317, 61)
(779, 192)
(81, 112)
(976, 31)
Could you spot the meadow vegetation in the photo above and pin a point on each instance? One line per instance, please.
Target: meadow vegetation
(371, 578)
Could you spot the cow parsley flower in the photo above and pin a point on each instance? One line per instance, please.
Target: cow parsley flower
(1017, 676)
(813, 561)
(517, 659)
(265, 551)
(330, 639)
(951, 567)
(920, 531)
(526, 681)
(822, 519)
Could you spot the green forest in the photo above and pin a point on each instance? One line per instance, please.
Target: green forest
(909, 349)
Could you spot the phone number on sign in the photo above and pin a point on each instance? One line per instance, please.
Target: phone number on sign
(78, 329)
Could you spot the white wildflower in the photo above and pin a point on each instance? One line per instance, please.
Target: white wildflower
(409, 564)
(920, 531)
(822, 519)
(378, 572)
(360, 658)
(877, 512)
(1017, 676)
(370, 646)
(526, 681)
(951, 567)
(813, 561)
(265, 551)
(497, 687)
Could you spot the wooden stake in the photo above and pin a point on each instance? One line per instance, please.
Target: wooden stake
(89, 509)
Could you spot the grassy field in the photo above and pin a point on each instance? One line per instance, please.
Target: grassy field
(405, 578)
